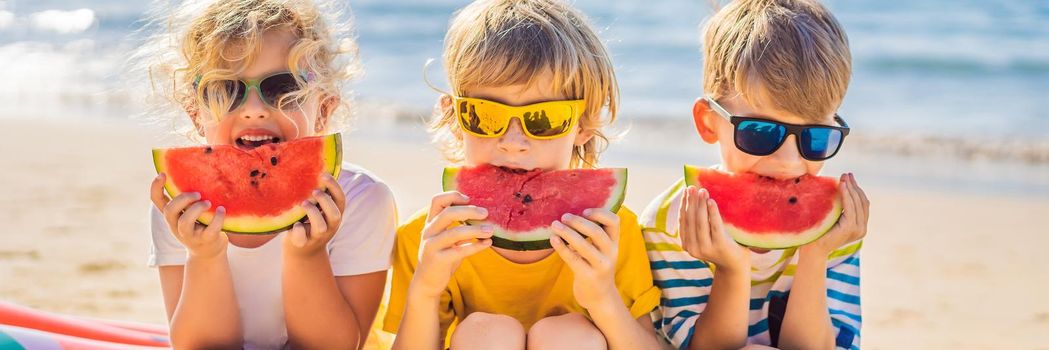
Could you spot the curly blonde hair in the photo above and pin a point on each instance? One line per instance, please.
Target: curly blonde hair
(508, 42)
(200, 42)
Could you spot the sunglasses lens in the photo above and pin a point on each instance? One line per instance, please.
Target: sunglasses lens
(276, 87)
(818, 143)
(549, 121)
(479, 118)
(758, 137)
(224, 92)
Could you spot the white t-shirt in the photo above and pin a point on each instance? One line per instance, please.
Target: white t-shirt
(362, 245)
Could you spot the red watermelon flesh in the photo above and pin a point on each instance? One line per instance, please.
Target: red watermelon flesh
(521, 204)
(771, 213)
(261, 188)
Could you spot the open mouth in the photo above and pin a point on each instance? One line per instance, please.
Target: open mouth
(513, 169)
(256, 138)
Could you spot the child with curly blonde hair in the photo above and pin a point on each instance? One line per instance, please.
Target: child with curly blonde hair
(249, 73)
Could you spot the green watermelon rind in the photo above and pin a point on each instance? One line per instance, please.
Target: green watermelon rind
(256, 225)
(537, 239)
(773, 240)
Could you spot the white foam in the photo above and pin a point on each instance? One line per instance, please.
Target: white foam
(63, 22)
(6, 19)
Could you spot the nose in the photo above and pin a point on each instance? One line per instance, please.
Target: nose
(787, 159)
(788, 151)
(514, 139)
(253, 107)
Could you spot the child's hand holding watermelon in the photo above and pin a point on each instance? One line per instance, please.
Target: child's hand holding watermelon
(443, 248)
(851, 226)
(703, 233)
(181, 214)
(592, 262)
(324, 216)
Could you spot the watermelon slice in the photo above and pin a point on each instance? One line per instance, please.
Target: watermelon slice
(521, 204)
(260, 188)
(763, 212)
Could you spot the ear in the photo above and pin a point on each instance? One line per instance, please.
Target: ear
(445, 104)
(328, 106)
(194, 115)
(584, 136)
(703, 116)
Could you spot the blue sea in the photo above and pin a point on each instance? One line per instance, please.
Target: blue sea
(954, 72)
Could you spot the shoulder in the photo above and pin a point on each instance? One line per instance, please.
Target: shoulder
(355, 179)
(661, 211)
(361, 186)
(626, 215)
(848, 254)
(409, 231)
(629, 229)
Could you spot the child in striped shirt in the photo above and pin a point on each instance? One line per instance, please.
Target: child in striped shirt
(783, 64)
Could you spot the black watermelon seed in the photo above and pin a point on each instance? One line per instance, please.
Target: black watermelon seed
(793, 200)
(517, 194)
(527, 199)
(797, 180)
(263, 176)
(254, 172)
(208, 150)
(273, 160)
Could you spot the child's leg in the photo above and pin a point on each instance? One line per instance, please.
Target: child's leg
(488, 331)
(568, 331)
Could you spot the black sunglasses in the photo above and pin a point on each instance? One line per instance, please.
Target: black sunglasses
(762, 137)
(270, 88)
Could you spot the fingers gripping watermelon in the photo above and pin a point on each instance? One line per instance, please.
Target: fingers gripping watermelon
(522, 204)
(261, 188)
(769, 213)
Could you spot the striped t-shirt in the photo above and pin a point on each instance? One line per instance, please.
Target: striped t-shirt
(686, 282)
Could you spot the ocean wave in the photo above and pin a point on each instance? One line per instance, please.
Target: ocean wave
(953, 65)
(970, 146)
(63, 22)
(668, 132)
(7, 19)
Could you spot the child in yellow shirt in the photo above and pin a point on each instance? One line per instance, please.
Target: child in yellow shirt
(596, 291)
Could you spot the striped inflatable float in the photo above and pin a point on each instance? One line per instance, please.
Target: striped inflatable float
(26, 328)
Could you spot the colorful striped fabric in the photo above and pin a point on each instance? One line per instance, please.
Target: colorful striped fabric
(686, 282)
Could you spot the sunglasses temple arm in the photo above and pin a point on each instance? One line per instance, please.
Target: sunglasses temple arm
(841, 121)
(717, 108)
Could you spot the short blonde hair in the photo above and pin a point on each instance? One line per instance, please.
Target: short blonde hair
(508, 42)
(203, 41)
(790, 53)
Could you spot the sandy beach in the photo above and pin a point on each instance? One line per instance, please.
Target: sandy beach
(941, 268)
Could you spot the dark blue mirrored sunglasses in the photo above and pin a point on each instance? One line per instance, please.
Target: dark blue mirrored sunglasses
(762, 137)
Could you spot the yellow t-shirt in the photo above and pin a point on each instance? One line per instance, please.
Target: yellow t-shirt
(490, 283)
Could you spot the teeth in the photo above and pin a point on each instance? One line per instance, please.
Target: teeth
(256, 138)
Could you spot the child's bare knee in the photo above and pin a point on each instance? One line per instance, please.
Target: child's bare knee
(568, 331)
(482, 330)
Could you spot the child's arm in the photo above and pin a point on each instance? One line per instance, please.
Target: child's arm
(319, 314)
(593, 264)
(199, 297)
(723, 322)
(808, 323)
(441, 252)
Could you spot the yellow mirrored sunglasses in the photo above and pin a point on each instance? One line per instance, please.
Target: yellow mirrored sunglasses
(541, 121)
